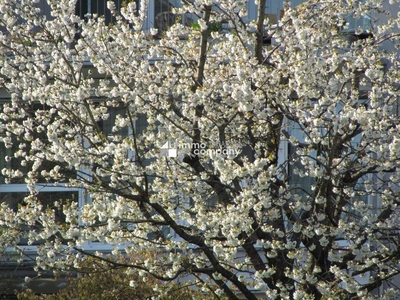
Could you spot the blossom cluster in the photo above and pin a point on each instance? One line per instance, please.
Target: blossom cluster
(306, 209)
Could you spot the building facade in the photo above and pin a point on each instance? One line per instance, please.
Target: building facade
(159, 16)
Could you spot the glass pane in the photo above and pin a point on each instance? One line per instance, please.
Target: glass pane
(3, 163)
(107, 125)
(300, 184)
(47, 199)
(275, 9)
(99, 7)
(17, 143)
(164, 17)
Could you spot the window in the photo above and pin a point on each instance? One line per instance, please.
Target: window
(357, 25)
(300, 184)
(14, 150)
(106, 125)
(49, 196)
(84, 8)
(159, 14)
(13, 153)
(275, 9)
(13, 190)
(299, 162)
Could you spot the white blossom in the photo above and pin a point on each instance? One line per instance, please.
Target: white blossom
(304, 204)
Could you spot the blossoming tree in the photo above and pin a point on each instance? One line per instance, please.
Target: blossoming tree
(288, 182)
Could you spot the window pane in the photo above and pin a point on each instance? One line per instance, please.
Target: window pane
(3, 163)
(8, 161)
(16, 143)
(99, 7)
(107, 125)
(47, 199)
(164, 17)
(299, 183)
